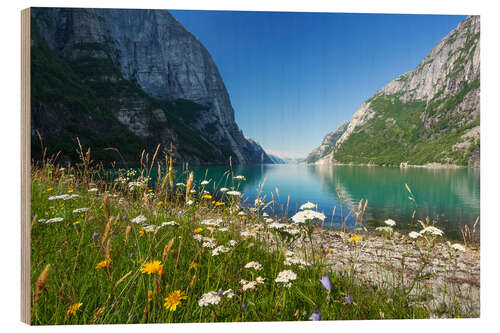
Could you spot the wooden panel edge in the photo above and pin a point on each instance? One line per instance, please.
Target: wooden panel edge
(25, 165)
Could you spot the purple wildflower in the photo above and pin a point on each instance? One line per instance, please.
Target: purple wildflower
(95, 235)
(219, 292)
(244, 306)
(348, 299)
(124, 217)
(325, 281)
(134, 316)
(316, 315)
(132, 255)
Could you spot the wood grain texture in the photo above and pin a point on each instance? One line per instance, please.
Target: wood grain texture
(25, 165)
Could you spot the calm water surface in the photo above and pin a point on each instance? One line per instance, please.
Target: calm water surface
(451, 196)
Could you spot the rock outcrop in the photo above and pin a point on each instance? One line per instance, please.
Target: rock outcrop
(327, 144)
(428, 115)
(175, 94)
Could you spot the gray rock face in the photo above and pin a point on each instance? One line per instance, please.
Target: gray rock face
(447, 81)
(327, 144)
(154, 50)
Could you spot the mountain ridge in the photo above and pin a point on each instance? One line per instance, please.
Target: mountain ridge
(429, 115)
(138, 74)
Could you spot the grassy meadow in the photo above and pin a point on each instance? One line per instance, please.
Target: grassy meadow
(109, 249)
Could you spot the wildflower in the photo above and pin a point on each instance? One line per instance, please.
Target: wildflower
(285, 277)
(458, 247)
(354, 239)
(76, 222)
(414, 234)
(212, 222)
(73, 308)
(207, 196)
(139, 219)
(330, 250)
(192, 191)
(70, 191)
(50, 189)
(159, 203)
(208, 243)
(348, 299)
(242, 213)
(205, 182)
(93, 189)
(239, 177)
(180, 184)
(55, 219)
(325, 281)
(316, 315)
(307, 205)
(244, 306)
(193, 265)
(232, 242)
(254, 264)
(228, 293)
(143, 231)
(390, 222)
(124, 217)
(172, 223)
(234, 193)
(258, 202)
(198, 230)
(95, 235)
(385, 230)
(209, 298)
(248, 285)
(173, 300)
(220, 249)
(189, 202)
(260, 280)
(224, 189)
(102, 264)
(80, 210)
(307, 215)
(432, 230)
(219, 203)
(152, 267)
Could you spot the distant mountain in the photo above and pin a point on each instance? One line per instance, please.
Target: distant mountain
(276, 159)
(428, 115)
(281, 159)
(327, 144)
(129, 79)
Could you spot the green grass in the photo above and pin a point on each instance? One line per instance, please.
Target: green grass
(72, 252)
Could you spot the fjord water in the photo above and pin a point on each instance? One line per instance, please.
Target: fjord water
(450, 196)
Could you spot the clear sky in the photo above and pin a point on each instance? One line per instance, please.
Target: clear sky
(294, 77)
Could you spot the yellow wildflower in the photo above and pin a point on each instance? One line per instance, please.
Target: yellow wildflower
(174, 299)
(70, 191)
(50, 189)
(102, 264)
(73, 308)
(76, 222)
(152, 267)
(197, 230)
(159, 203)
(330, 250)
(207, 196)
(304, 230)
(193, 265)
(354, 239)
(150, 295)
(143, 231)
(218, 203)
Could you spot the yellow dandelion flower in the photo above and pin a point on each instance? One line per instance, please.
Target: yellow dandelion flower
(73, 308)
(50, 189)
(354, 239)
(143, 231)
(330, 250)
(102, 264)
(218, 203)
(174, 299)
(207, 196)
(150, 190)
(193, 265)
(304, 230)
(70, 191)
(197, 230)
(159, 203)
(152, 267)
(76, 222)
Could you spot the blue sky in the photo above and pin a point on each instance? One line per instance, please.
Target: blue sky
(293, 77)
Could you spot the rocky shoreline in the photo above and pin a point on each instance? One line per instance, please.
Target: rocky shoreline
(451, 278)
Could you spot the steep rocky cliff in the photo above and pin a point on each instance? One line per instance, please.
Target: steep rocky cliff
(130, 79)
(428, 115)
(327, 144)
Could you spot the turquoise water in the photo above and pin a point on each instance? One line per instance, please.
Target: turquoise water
(450, 196)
